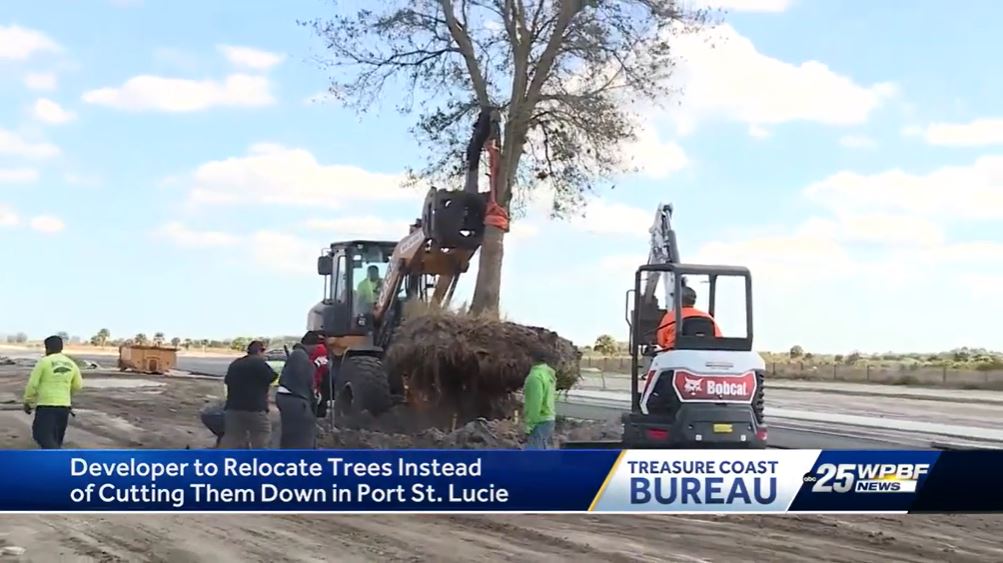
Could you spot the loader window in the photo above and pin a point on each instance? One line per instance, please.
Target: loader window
(368, 274)
(341, 280)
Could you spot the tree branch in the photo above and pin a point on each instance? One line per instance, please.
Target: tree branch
(466, 48)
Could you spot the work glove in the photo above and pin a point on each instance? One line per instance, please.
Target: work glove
(27, 408)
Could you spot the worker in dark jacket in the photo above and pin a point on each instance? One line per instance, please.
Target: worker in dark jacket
(297, 402)
(53, 381)
(248, 380)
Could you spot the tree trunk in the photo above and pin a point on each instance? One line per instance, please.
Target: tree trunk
(487, 292)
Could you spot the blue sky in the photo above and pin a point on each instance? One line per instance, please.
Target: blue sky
(168, 166)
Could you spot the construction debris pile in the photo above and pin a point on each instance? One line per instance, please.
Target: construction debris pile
(471, 365)
(476, 434)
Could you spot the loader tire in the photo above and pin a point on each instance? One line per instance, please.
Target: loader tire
(362, 386)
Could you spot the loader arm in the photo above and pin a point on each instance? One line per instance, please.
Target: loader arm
(429, 258)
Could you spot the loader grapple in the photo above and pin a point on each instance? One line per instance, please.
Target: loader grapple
(454, 219)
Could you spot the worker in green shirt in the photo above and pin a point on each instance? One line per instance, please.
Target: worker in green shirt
(53, 381)
(368, 290)
(538, 393)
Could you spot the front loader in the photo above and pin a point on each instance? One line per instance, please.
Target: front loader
(367, 282)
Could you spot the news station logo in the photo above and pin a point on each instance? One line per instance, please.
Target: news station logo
(867, 477)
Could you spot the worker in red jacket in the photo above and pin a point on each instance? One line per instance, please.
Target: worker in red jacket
(318, 355)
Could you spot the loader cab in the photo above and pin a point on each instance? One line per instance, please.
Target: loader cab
(353, 273)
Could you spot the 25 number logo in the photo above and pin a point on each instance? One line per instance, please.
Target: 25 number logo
(833, 478)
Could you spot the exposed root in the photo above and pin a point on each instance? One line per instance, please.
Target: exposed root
(470, 365)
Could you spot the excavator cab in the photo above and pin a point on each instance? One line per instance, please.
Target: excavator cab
(706, 389)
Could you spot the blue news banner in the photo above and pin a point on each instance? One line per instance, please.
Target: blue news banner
(652, 481)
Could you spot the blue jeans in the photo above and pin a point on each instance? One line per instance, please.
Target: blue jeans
(540, 437)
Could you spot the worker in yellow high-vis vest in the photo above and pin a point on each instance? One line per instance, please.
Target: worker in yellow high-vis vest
(51, 386)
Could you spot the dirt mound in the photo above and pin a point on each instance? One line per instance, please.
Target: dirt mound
(478, 434)
(467, 364)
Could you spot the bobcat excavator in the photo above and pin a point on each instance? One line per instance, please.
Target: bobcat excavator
(367, 282)
(704, 391)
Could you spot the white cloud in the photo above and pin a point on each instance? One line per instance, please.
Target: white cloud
(745, 5)
(792, 258)
(365, 226)
(723, 75)
(47, 224)
(857, 142)
(606, 217)
(277, 175)
(41, 80)
(8, 218)
(14, 145)
(48, 111)
(250, 58)
(654, 157)
(284, 253)
(177, 95)
(19, 43)
(980, 132)
(181, 235)
(759, 132)
(270, 249)
(960, 192)
(18, 175)
(878, 228)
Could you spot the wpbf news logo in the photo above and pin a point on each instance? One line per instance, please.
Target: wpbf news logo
(866, 477)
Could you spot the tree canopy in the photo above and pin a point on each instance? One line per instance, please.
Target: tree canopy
(566, 76)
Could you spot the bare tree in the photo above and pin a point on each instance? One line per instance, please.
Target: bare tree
(564, 74)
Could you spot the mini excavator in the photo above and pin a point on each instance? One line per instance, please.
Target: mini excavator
(705, 391)
(367, 282)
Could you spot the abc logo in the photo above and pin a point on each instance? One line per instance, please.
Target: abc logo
(809, 478)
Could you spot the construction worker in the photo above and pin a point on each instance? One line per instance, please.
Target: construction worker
(667, 328)
(247, 381)
(368, 290)
(317, 350)
(296, 401)
(539, 392)
(53, 381)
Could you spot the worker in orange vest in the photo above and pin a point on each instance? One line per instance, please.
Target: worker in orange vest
(667, 328)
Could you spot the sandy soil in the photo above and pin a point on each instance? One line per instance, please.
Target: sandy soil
(135, 412)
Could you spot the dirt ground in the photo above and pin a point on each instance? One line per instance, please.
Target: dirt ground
(136, 412)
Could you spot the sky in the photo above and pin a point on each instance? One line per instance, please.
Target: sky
(176, 167)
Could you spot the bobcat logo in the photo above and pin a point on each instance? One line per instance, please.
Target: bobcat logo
(692, 386)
